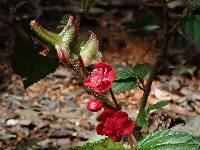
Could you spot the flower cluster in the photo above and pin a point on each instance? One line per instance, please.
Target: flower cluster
(115, 124)
(101, 78)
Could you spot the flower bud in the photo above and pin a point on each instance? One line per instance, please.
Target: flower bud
(64, 41)
(94, 105)
(90, 53)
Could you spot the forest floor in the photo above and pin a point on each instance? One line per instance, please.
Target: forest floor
(51, 113)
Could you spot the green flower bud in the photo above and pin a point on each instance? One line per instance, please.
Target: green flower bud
(64, 41)
(90, 53)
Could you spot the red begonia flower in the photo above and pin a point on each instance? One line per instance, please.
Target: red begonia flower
(107, 113)
(94, 105)
(115, 125)
(101, 78)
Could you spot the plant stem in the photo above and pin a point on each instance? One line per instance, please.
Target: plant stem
(132, 142)
(114, 99)
(177, 24)
(164, 48)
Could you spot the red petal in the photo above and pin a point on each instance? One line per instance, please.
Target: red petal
(121, 117)
(111, 76)
(94, 105)
(130, 126)
(100, 128)
(103, 66)
(103, 86)
(88, 83)
(107, 113)
(116, 138)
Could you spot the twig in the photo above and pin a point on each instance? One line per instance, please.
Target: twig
(153, 73)
(177, 24)
(114, 99)
(132, 142)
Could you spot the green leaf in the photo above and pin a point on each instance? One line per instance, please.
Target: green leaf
(29, 64)
(142, 119)
(124, 85)
(149, 21)
(169, 140)
(104, 144)
(188, 70)
(141, 70)
(193, 4)
(124, 74)
(143, 116)
(157, 106)
(191, 28)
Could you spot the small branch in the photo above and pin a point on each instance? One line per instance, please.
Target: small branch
(153, 73)
(131, 142)
(177, 24)
(114, 99)
(141, 88)
(141, 81)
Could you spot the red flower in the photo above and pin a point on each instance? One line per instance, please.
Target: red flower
(107, 113)
(101, 78)
(116, 125)
(94, 105)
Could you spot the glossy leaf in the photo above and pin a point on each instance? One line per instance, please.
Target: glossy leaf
(169, 140)
(191, 28)
(124, 85)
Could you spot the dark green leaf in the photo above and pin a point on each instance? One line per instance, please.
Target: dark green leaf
(157, 106)
(141, 70)
(191, 28)
(142, 119)
(143, 116)
(104, 144)
(193, 4)
(124, 74)
(169, 140)
(31, 66)
(148, 20)
(124, 85)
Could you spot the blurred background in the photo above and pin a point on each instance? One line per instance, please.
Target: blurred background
(51, 113)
